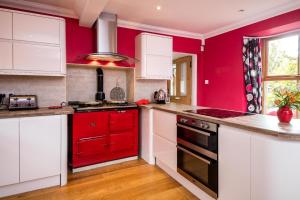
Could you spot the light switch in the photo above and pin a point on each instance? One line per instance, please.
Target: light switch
(206, 82)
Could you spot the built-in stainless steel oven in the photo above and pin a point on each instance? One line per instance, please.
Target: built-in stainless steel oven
(197, 153)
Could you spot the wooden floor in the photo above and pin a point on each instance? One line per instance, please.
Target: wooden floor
(127, 181)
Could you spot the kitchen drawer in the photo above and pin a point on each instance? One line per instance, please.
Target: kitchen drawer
(90, 124)
(122, 120)
(91, 146)
(121, 142)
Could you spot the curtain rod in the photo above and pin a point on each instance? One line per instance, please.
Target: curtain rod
(270, 36)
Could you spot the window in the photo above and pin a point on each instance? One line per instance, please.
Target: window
(281, 67)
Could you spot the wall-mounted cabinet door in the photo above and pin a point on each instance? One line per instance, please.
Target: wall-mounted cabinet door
(5, 54)
(39, 147)
(34, 28)
(159, 45)
(159, 67)
(9, 151)
(6, 25)
(34, 57)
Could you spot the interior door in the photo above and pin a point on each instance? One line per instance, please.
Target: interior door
(180, 86)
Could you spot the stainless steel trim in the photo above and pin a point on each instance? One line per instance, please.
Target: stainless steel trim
(198, 183)
(194, 130)
(212, 126)
(198, 149)
(194, 155)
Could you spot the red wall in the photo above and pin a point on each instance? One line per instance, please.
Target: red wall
(223, 64)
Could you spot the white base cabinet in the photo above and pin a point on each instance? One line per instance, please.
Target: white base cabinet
(253, 166)
(234, 164)
(33, 153)
(165, 134)
(39, 147)
(165, 150)
(9, 151)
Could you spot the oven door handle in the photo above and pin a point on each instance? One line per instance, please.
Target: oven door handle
(194, 155)
(194, 130)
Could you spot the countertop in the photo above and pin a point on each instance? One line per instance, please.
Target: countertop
(37, 112)
(258, 123)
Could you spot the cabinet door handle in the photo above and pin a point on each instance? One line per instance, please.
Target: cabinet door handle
(122, 111)
(93, 124)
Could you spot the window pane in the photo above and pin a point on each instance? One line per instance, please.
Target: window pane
(269, 97)
(283, 56)
(183, 80)
(173, 81)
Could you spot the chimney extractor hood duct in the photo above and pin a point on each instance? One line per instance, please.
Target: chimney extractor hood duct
(106, 26)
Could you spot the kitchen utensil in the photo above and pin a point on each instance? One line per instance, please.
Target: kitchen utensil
(117, 94)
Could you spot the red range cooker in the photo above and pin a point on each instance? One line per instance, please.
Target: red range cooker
(100, 133)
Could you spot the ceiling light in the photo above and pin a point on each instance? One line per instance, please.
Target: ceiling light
(158, 7)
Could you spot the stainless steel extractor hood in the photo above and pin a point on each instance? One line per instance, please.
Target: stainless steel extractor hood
(106, 26)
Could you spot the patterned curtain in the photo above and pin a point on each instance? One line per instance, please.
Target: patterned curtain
(253, 74)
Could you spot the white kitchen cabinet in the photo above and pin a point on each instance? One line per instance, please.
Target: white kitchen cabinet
(9, 151)
(275, 169)
(159, 45)
(40, 147)
(254, 166)
(31, 44)
(29, 27)
(234, 164)
(165, 151)
(165, 134)
(5, 24)
(36, 57)
(165, 125)
(5, 55)
(154, 54)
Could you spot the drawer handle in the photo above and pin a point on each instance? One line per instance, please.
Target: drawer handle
(93, 124)
(121, 111)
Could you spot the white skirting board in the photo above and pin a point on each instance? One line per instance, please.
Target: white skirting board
(29, 186)
(184, 182)
(80, 169)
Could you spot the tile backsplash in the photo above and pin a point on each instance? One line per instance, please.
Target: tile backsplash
(82, 82)
(50, 90)
(144, 89)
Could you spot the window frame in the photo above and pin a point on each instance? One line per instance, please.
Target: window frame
(265, 76)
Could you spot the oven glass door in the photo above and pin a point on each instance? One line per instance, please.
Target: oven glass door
(198, 167)
(198, 137)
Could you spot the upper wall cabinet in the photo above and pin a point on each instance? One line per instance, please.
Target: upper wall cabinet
(31, 44)
(6, 25)
(154, 54)
(36, 29)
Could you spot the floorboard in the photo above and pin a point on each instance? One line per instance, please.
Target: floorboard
(132, 180)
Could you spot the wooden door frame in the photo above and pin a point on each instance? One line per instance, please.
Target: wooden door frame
(194, 75)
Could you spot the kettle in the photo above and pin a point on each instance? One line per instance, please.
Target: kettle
(160, 96)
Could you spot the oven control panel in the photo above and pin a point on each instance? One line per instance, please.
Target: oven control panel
(198, 123)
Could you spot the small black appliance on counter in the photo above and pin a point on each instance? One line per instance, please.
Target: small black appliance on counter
(22, 102)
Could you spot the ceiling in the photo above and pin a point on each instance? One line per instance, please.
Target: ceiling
(195, 16)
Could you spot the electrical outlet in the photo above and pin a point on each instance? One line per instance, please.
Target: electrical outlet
(206, 82)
